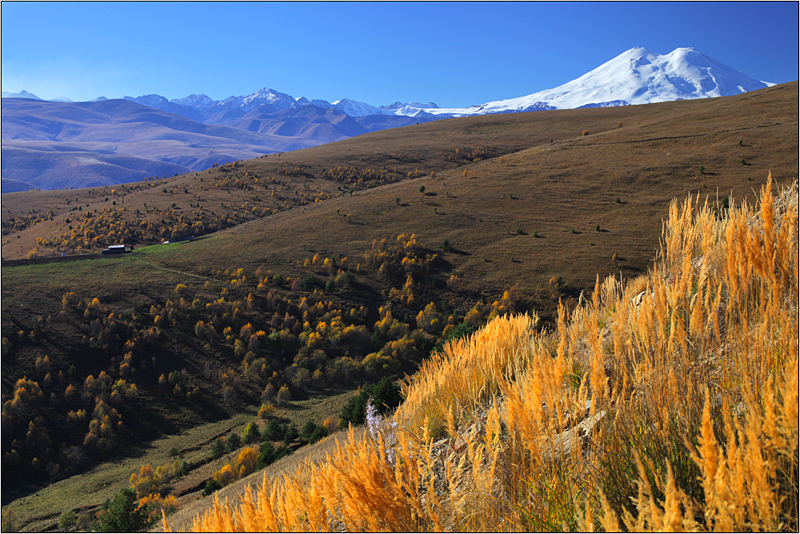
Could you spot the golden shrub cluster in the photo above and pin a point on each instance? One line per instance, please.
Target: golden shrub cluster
(359, 178)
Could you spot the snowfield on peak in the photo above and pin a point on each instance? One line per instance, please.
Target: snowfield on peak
(637, 76)
(194, 101)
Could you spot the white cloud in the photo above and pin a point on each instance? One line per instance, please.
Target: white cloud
(70, 77)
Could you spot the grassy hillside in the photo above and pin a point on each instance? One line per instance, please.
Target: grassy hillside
(319, 270)
(665, 403)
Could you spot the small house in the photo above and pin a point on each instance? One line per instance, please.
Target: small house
(114, 249)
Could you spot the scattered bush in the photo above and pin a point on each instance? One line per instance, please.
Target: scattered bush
(284, 396)
(251, 433)
(123, 514)
(311, 432)
(291, 434)
(211, 486)
(217, 448)
(386, 395)
(232, 442)
(274, 431)
(308, 283)
(265, 411)
(66, 520)
(269, 454)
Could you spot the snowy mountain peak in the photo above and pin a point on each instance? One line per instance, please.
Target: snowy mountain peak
(324, 104)
(21, 94)
(269, 96)
(356, 109)
(636, 76)
(154, 101)
(415, 105)
(639, 76)
(194, 101)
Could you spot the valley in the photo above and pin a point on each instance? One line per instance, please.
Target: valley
(321, 269)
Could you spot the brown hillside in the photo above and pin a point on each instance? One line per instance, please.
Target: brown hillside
(655, 141)
(555, 194)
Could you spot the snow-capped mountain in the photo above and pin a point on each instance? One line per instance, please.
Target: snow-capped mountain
(196, 131)
(270, 121)
(357, 109)
(418, 105)
(637, 76)
(153, 101)
(21, 94)
(194, 101)
(324, 104)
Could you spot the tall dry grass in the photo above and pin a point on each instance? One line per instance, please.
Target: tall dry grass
(669, 402)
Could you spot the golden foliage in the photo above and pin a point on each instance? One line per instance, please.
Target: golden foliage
(669, 402)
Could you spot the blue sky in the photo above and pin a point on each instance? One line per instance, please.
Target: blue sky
(455, 54)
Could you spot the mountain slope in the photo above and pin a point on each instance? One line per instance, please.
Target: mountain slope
(49, 144)
(21, 94)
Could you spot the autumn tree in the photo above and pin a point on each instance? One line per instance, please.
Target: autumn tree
(269, 394)
(284, 396)
(250, 433)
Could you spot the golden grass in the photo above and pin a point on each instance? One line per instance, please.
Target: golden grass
(669, 402)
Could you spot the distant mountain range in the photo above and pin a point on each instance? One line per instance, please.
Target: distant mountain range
(57, 144)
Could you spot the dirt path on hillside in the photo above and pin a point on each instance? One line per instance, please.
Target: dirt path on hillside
(172, 270)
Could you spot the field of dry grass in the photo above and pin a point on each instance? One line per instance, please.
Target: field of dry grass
(304, 459)
(669, 402)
